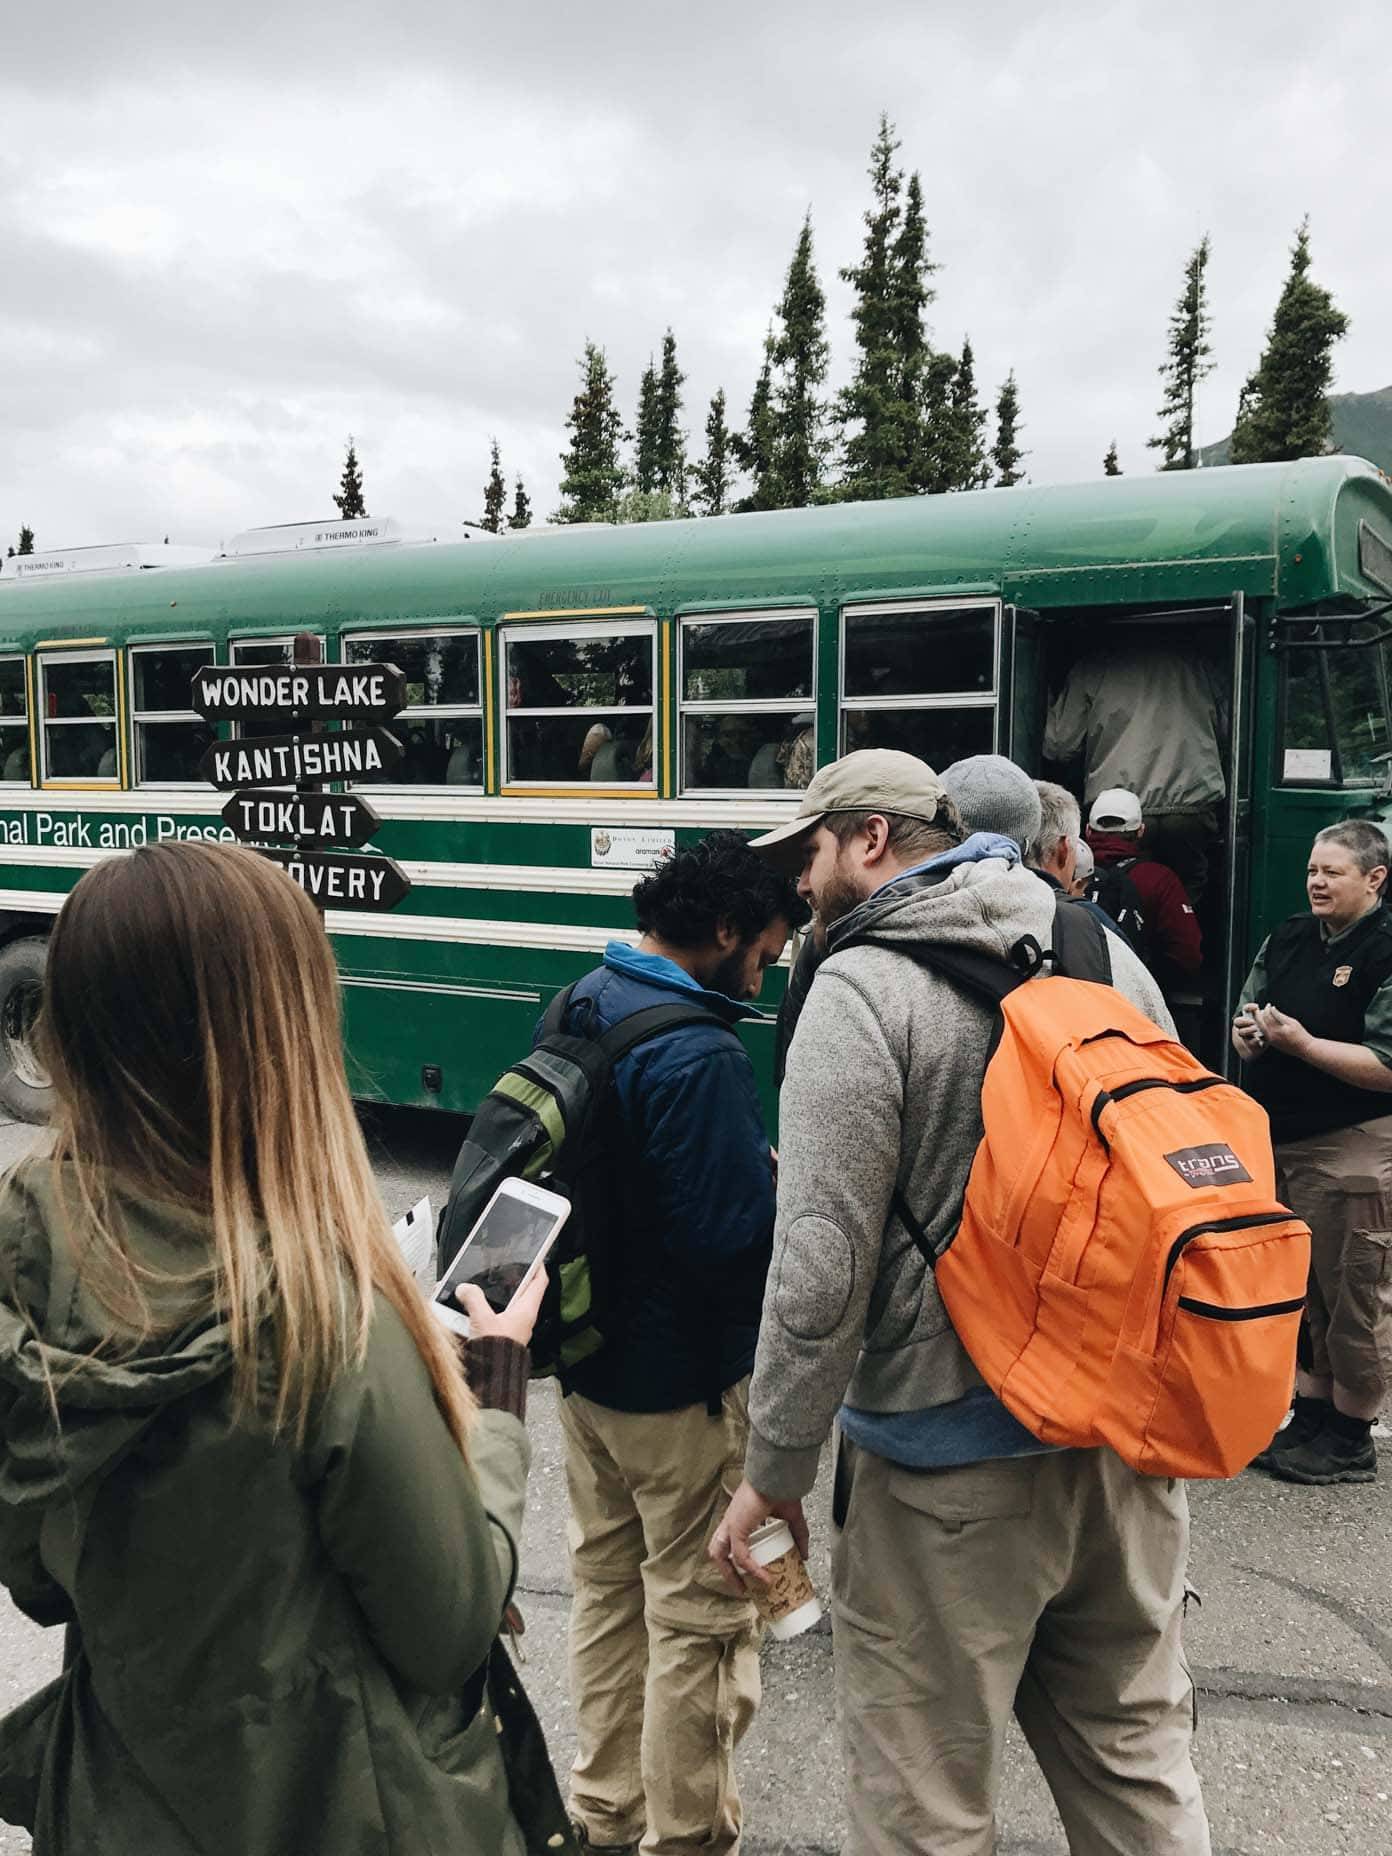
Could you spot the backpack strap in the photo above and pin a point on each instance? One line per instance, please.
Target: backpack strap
(1080, 943)
(1079, 953)
(553, 1018)
(650, 1022)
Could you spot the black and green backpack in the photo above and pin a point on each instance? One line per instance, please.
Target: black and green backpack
(551, 1119)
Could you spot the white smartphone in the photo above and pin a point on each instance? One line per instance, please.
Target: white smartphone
(504, 1250)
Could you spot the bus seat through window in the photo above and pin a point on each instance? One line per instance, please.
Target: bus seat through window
(765, 769)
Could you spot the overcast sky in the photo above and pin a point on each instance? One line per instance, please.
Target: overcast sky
(224, 246)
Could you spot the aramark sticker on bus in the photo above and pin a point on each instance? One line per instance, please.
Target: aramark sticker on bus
(622, 847)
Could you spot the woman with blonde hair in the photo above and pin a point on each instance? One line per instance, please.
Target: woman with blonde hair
(239, 1458)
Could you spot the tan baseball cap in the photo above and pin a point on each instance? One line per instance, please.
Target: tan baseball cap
(870, 780)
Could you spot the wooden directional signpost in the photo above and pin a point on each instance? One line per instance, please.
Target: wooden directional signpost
(277, 805)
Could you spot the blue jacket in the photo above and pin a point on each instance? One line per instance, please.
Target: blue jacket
(695, 1192)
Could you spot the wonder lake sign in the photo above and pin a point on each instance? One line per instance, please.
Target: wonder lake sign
(276, 805)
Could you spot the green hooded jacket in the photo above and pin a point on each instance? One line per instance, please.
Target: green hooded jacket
(273, 1641)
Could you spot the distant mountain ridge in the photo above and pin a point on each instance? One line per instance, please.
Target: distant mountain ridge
(1362, 429)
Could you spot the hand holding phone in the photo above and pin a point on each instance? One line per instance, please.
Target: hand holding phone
(503, 1253)
(516, 1321)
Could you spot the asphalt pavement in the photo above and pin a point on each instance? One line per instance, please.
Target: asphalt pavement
(1291, 1648)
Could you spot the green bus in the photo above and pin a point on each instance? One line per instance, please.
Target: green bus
(580, 700)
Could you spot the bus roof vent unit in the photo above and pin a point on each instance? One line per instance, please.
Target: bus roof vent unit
(107, 558)
(315, 537)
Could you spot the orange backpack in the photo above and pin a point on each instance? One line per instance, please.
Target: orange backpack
(1123, 1273)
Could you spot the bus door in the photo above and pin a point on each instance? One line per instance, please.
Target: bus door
(1020, 729)
(1219, 635)
(1237, 897)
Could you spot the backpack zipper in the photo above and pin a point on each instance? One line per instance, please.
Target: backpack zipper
(1105, 1097)
(1212, 1312)
(1250, 1223)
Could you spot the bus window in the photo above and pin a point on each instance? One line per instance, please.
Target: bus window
(170, 739)
(441, 726)
(78, 704)
(921, 678)
(1334, 712)
(746, 701)
(264, 651)
(14, 723)
(579, 705)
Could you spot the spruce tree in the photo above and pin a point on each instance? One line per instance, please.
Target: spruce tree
(26, 540)
(711, 477)
(350, 487)
(1283, 412)
(494, 494)
(800, 353)
(1187, 364)
(645, 432)
(936, 464)
(910, 296)
(755, 448)
(521, 516)
(593, 476)
(1006, 455)
(671, 439)
(966, 466)
(646, 506)
(869, 409)
(1110, 466)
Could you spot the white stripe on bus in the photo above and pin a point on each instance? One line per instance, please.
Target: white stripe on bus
(552, 937)
(702, 812)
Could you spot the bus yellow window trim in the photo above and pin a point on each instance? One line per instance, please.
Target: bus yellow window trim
(490, 704)
(123, 771)
(667, 723)
(66, 644)
(579, 792)
(581, 612)
(33, 720)
(83, 786)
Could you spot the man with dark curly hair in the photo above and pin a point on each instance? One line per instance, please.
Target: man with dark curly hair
(663, 1662)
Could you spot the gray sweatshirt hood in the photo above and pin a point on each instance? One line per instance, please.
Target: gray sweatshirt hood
(986, 907)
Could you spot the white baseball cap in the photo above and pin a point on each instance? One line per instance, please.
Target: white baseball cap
(1116, 810)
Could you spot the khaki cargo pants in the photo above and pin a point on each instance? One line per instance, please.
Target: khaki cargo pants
(1051, 1585)
(664, 1662)
(1341, 1185)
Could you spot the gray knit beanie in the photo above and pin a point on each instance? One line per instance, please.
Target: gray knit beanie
(993, 794)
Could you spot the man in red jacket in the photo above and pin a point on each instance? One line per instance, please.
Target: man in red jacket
(1145, 897)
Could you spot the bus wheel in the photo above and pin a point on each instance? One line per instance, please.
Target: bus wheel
(25, 1090)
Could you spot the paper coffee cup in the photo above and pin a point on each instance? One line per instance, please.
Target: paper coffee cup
(788, 1605)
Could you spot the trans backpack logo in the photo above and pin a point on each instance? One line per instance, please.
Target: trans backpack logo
(1212, 1165)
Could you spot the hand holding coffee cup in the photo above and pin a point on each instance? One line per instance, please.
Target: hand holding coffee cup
(787, 1601)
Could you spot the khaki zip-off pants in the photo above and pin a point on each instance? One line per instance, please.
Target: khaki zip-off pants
(664, 1662)
(1051, 1585)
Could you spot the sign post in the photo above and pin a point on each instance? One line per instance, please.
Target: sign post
(278, 805)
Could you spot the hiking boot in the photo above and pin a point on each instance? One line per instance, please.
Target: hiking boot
(1327, 1457)
(1306, 1423)
(582, 1837)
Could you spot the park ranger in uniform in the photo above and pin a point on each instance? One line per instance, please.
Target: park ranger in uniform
(1315, 1036)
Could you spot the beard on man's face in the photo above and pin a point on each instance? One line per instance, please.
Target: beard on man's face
(731, 975)
(837, 897)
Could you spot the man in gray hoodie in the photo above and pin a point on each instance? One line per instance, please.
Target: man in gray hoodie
(975, 1570)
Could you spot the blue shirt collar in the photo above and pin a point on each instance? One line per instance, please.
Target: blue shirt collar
(658, 970)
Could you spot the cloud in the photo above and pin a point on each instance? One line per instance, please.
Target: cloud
(227, 242)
